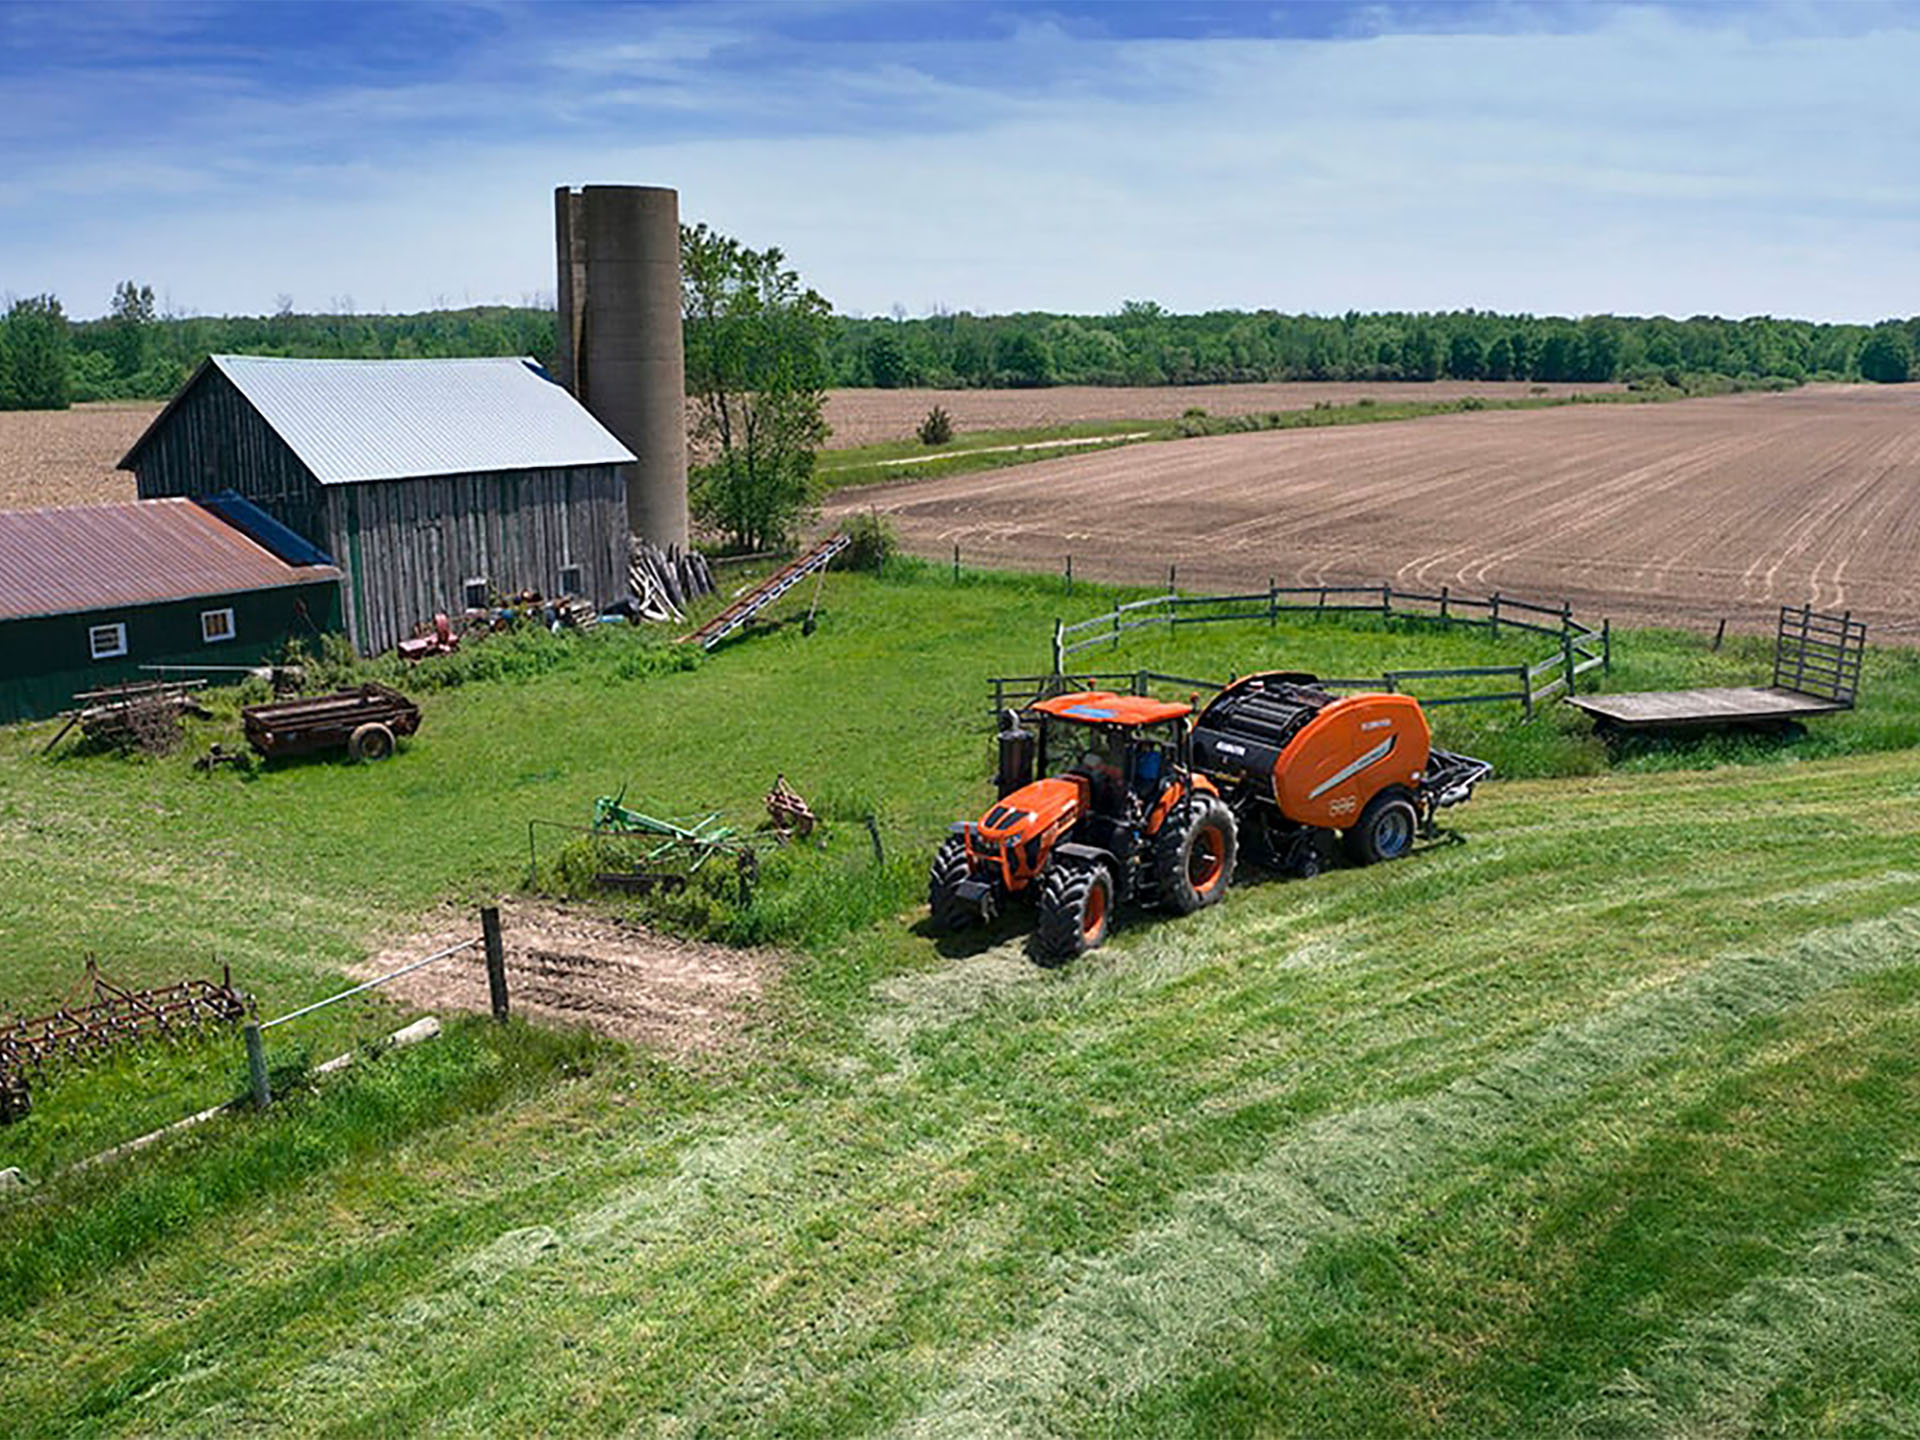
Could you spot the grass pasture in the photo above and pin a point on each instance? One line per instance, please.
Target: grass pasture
(1603, 1122)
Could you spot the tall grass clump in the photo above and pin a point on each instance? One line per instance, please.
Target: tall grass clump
(89, 1222)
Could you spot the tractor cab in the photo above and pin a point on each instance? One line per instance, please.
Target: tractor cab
(1083, 820)
(1128, 747)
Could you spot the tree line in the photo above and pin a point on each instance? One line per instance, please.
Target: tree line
(134, 352)
(1143, 344)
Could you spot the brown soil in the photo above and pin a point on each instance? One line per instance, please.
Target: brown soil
(868, 417)
(566, 967)
(66, 457)
(1677, 514)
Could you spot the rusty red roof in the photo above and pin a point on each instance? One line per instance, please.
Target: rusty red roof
(109, 557)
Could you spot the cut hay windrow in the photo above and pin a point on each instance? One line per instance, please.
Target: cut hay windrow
(1128, 1320)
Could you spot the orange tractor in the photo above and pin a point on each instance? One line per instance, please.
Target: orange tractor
(1127, 799)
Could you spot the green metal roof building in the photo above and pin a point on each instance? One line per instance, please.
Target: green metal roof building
(89, 595)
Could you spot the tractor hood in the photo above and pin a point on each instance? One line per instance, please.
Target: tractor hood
(1033, 808)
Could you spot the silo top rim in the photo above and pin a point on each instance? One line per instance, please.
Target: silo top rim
(626, 189)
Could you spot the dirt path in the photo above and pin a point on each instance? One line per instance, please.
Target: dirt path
(1677, 514)
(567, 967)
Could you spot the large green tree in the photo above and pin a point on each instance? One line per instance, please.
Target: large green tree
(756, 345)
(37, 374)
(130, 327)
(1885, 356)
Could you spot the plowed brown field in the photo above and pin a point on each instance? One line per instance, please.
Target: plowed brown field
(1681, 513)
(867, 417)
(66, 457)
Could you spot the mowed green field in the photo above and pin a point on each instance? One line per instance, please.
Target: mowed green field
(1602, 1122)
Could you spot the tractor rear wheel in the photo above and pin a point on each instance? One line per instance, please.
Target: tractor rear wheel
(1193, 861)
(1385, 829)
(943, 882)
(1076, 911)
(372, 741)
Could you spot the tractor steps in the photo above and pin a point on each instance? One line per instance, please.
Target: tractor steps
(769, 590)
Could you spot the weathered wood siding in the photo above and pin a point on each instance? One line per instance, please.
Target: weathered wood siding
(409, 546)
(214, 440)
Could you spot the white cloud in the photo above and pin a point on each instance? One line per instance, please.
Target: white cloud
(1640, 165)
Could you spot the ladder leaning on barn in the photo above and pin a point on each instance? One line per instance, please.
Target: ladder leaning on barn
(768, 591)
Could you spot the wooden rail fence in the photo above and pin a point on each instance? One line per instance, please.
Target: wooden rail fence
(1578, 647)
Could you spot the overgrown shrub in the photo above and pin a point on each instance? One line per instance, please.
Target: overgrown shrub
(937, 428)
(874, 542)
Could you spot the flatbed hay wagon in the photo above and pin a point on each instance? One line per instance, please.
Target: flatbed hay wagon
(1816, 671)
(365, 721)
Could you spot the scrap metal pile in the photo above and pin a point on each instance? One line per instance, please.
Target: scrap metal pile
(141, 715)
(665, 581)
(110, 1017)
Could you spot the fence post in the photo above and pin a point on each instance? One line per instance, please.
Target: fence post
(1526, 689)
(1443, 601)
(956, 562)
(496, 961)
(873, 829)
(1566, 654)
(257, 1067)
(1069, 572)
(1606, 645)
(1059, 648)
(1386, 600)
(1493, 618)
(1171, 572)
(1273, 602)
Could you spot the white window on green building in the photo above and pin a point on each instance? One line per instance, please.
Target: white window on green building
(106, 642)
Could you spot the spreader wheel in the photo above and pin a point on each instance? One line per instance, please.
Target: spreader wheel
(1076, 911)
(943, 881)
(372, 741)
(1385, 829)
(1193, 863)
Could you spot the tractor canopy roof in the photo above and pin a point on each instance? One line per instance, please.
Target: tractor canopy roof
(1103, 707)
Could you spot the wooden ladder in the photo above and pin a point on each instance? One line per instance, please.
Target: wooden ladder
(768, 591)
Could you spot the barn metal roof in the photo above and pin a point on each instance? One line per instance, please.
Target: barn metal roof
(111, 557)
(357, 420)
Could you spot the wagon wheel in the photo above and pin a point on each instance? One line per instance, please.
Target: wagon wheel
(372, 741)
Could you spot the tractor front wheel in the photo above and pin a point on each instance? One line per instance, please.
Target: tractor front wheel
(1193, 862)
(1385, 829)
(943, 882)
(1076, 911)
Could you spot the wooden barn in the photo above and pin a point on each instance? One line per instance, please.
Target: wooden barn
(92, 594)
(433, 484)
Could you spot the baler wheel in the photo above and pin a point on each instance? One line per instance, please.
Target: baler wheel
(1385, 829)
(1193, 863)
(372, 741)
(949, 869)
(1076, 912)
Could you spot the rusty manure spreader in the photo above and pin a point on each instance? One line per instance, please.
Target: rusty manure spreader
(1110, 799)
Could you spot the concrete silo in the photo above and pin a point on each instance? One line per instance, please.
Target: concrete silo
(619, 338)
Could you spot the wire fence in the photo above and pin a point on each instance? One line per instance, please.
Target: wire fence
(490, 939)
(1578, 647)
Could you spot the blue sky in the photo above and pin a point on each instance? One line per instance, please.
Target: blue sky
(1558, 158)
